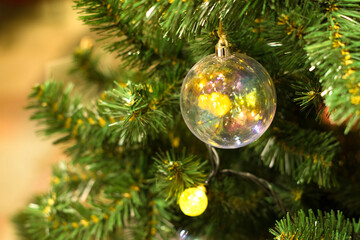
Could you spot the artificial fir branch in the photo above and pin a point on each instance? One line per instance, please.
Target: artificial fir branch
(116, 201)
(331, 45)
(309, 96)
(175, 174)
(328, 225)
(304, 154)
(88, 65)
(133, 36)
(295, 27)
(287, 33)
(115, 188)
(62, 114)
(138, 114)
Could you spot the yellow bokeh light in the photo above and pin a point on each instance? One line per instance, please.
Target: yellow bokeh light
(251, 99)
(202, 84)
(193, 201)
(216, 103)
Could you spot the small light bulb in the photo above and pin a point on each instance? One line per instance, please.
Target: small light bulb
(193, 201)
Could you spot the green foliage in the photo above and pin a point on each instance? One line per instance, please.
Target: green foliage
(85, 204)
(175, 174)
(87, 63)
(132, 35)
(237, 209)
(332, 47)
(309, 96)
(295, 151)
(128, 114)
(63, 114)
(311, 227)
(32, 215)
(127, 167)
(136, 111)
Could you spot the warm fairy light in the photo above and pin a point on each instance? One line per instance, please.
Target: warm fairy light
(193, 201)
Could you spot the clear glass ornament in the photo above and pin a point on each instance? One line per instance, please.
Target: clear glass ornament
(228, 100)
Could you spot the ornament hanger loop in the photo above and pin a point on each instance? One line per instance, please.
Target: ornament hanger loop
(215, 162)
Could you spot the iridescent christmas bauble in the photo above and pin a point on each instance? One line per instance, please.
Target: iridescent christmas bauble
(228, 102)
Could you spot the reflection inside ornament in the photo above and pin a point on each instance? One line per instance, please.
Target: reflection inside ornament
(183, 234)
(217, 103)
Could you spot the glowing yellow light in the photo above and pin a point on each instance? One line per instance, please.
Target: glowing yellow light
(216, 103)
(202, 99)
(193, 201)
(202, 84)
(251, 99)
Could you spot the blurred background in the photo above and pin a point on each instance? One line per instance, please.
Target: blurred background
(35, 36)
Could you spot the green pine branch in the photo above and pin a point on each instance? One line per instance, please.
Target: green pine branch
(127, 111)
(328, 225)
(284, 31)
(85, 204)
(306, 155)
(88, 65)
(114, 188)
(136, 38)
(332, 50)
(176, 173)
(137, 112)
(309, 98)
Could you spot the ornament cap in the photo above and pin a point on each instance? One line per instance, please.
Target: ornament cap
(222, 51)
(222, 47)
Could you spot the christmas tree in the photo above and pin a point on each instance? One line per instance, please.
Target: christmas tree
(136, 171)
